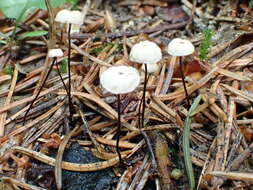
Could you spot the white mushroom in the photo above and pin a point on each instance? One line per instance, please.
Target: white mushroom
(120, 79)
(63, 16)
(76, 18)
(69, 17)
(55, 53)
(145, 52)
(52, 53)
(180, 47)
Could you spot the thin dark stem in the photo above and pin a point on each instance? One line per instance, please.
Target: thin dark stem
(143, 97)
(69, 75)
(118, 130)
(139, 113)
(59, 73)
(61, 36)
(40, 89)
(182, 75)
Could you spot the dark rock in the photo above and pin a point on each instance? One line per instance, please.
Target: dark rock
(99, 180)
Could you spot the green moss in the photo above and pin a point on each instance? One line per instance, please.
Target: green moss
(99, 49)
(8, 70)
(206, 44)
(64, 66)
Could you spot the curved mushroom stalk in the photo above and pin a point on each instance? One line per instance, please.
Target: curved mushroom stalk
(52, 53)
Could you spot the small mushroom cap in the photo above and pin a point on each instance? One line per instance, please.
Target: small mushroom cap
(55, 53)
(180, 47)
(151, 68)
(120, 79)
(146, 52)
(63, 16)
(76, 18)
(69, 17)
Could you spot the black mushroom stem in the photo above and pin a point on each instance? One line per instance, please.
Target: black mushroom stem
(118, 129)
(144, 96)
(182, 76)
(69, 75)
(39, 91)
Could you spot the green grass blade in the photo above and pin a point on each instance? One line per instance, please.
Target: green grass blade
(36, 33)
(186, 144)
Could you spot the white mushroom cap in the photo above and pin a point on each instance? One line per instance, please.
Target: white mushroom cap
(180, 47)
(146, 52)
(76, 18)
(55, 53)
(120, 79)
(63, 16)
(151, 68)
(69, 17)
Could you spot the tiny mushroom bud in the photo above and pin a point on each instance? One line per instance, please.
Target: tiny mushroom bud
(120, 79)
(145, 52)
(151, 68)
(55, 53)
(180, 47)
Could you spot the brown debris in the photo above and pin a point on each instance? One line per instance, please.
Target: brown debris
(221, 130)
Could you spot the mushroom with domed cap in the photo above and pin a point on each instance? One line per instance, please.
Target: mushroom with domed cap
(52, 53)
(69, 17)
(147, 53)
(118, 80)
(181, 47)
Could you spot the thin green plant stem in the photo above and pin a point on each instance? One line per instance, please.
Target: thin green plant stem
(186, 144)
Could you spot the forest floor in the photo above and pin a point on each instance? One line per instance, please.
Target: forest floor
(44, 146)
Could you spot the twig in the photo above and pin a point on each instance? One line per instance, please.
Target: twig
(68, 165)
(133, 33)
(20, 183)
(58, 159)
(169, 75)
(8, 100)
(233, 175)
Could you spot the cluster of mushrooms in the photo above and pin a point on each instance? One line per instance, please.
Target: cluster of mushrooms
(73, 21)
(122, 79)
